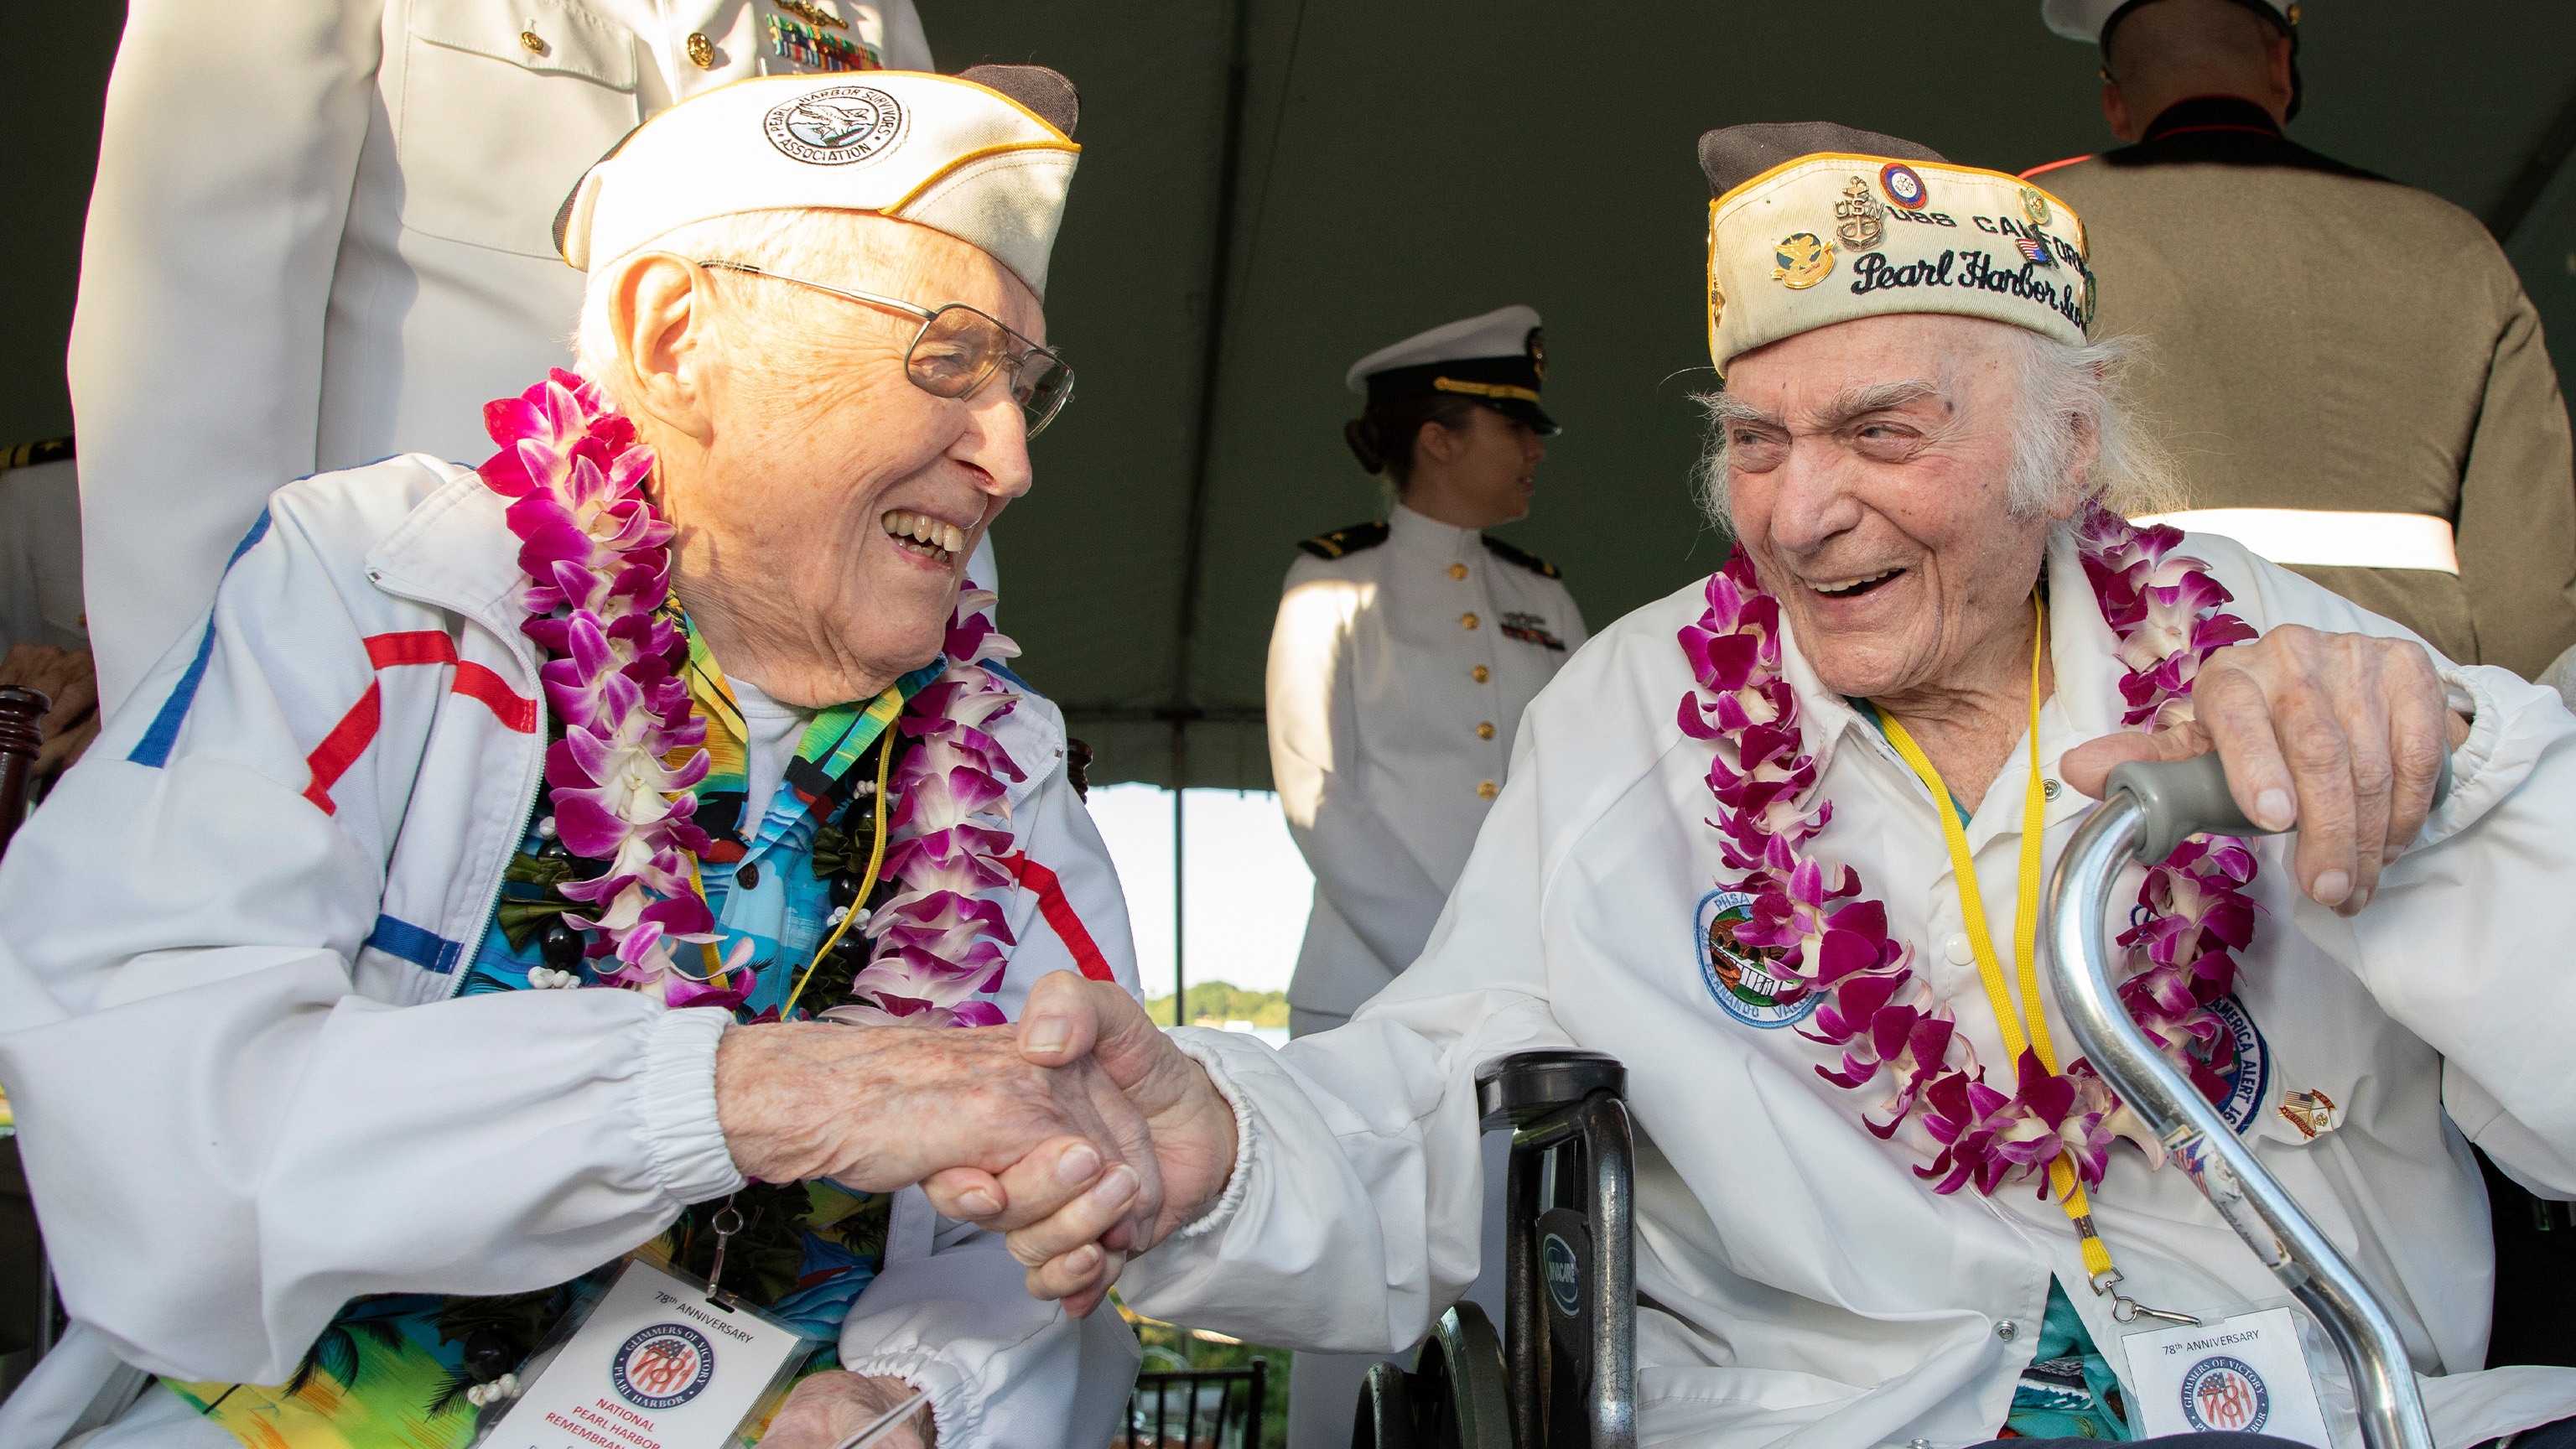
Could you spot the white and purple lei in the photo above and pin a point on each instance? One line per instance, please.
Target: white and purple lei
(1885, 1019)
(597, 558)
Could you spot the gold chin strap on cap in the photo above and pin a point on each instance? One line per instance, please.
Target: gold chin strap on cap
(1485, 389)
(2103, 1274)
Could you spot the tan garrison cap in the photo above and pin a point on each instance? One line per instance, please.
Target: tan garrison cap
(1815, 224)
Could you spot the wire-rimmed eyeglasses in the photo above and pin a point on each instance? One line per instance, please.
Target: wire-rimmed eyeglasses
(958, 349)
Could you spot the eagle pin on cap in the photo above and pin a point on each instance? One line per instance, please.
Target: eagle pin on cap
(986, 156)
(1814, 224)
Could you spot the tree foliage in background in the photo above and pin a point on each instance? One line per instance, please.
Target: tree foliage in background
(1219, 1001)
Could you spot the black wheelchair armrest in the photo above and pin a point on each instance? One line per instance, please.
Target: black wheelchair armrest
(1517, 1089)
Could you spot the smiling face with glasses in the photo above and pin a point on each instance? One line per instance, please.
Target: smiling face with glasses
(958, 349)
(829, 467)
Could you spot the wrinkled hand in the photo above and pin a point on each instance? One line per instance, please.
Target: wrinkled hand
(829, 1407)
(66, 677)
(877, 1108)
(1073, 1239)
(2341, 735)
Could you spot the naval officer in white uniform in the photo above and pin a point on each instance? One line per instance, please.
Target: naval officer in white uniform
(1405, 651)
(323, 232)
(1403, 656)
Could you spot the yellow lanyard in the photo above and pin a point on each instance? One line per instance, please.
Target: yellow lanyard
(2008, 1020)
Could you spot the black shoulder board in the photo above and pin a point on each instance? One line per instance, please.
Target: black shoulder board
(27, 455)
(1530, 561)
(1345, 540)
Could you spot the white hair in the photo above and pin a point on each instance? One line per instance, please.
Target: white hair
(840, 247)
(2068, 394)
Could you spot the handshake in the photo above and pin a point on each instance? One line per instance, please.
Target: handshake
(1080, 1133)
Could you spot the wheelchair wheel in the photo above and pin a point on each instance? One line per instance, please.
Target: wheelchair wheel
(1457, 1397)
(1385, 1416)
(1461, 1391)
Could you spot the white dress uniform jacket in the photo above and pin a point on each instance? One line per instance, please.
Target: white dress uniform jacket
(1805, 1287)
(322, 233)
(1398, 672)
(243, 1090)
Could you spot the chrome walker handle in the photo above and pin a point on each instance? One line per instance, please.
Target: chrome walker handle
(2151, 807)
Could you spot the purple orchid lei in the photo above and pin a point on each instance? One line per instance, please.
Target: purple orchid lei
(942, 938)
(1832, 942)
(596, 554)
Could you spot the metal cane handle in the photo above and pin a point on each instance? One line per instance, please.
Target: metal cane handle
(2196, 1138)
(2182, 798)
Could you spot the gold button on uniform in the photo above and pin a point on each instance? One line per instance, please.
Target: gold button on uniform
(1480, 674)
(702, 51)
(1485, 731)
(1467, 621)
(1457, 571)
(1487, 790)
(534, 42)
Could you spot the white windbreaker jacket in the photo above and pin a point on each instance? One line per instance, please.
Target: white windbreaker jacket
(1806, 1288)
(243, 1093)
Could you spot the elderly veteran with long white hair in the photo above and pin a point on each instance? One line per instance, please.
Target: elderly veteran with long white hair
(448, 916)
(1742, 839)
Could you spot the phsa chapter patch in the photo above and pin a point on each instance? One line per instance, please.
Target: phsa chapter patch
(1737, 975)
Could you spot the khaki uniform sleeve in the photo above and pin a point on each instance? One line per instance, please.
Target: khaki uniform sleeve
(2517, 523)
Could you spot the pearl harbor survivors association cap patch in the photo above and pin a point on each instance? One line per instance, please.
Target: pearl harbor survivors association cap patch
(985, 156)
(1815, 224)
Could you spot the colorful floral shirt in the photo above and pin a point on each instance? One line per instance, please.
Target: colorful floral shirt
(2070, 1390)
(393, 1371)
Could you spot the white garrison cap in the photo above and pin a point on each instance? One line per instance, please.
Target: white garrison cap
(2084, 19)
(986, 157)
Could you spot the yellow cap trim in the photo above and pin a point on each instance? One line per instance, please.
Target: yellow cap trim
(952, 168)
(1917, 166)
(1485, 389)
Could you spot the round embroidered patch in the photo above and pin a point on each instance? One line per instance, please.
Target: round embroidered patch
(2225, 1394)
(1736, 974)
(2250, 1076)
(663, 1367)
(836, 126)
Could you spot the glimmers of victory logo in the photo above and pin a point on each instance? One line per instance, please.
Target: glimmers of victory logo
(835, 127)
(2222, 1393)
(663, 1367)
(1738, 975)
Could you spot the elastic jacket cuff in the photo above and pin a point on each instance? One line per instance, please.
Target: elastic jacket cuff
(676, 1099)
(1208, 1049)
(954, 1406)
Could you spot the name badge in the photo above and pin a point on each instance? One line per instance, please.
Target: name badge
(2244, 1375)
(654, 1366)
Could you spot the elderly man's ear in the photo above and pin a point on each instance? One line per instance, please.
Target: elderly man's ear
(663, 355)
(2077, 485)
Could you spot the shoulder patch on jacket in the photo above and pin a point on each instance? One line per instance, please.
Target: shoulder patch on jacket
(1522, 557)
(1345, 540)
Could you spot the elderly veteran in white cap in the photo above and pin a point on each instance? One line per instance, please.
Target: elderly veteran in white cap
(1743, 847)
(450, 911)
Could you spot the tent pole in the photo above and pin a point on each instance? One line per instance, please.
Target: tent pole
(1220, 286)
(1180, 899)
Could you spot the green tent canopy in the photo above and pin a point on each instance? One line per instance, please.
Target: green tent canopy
(1270, 189)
